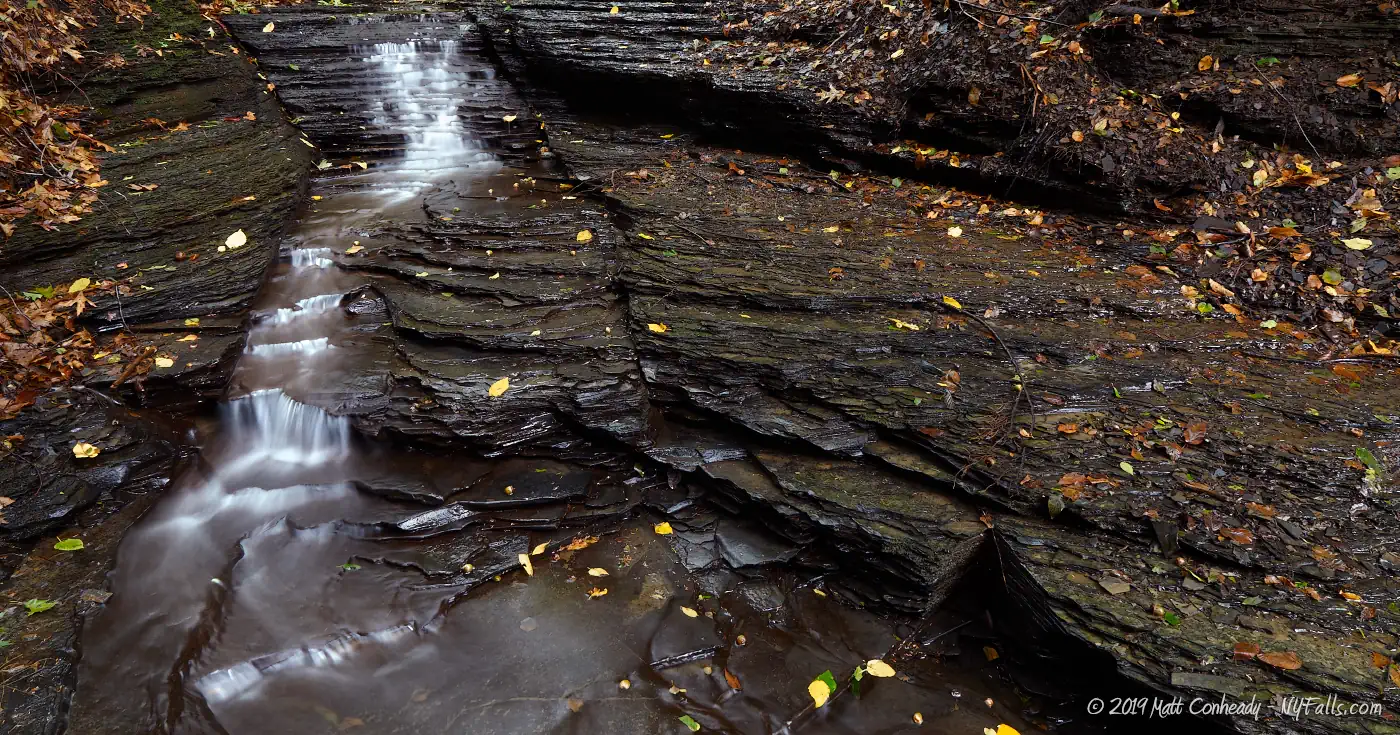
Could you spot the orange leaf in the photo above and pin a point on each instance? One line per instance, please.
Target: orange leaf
(1239, 535)
(1350, 80)
(1246, 651)
(1287, 660)
(732, 680)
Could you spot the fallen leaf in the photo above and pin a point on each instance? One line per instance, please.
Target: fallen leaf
(658, 328)
(1287, 660)
(83, 450)
(237, 239)
(950, 301)
(876, 667)
(79, 285)
(597, 592)
(732, 681)
(597, 572)
(164, 362)
(819, 692)
(1349, 80)
(1127, 467)
(525, 562)
(498, 388)
(1242, 536)
(954, 232)
(663, 528)
(1245, 651)
(686, 720)
(69, 544)
(509, 118)
(584, 236)
(1354, 243)
(539, 549)
(354, 249)
(689, 612)
(268, 28)
(1205, 63)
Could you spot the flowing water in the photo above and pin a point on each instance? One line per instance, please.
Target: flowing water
(289, 584)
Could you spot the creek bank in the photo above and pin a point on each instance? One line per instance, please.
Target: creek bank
(782, 383)
(206, 141)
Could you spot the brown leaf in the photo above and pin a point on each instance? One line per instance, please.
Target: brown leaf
(1194, 433)
(1349, 80)
(1379, 660)
(1287, 660)
(732, 680)
(1245, 651)
(1241, 536)
(1395, 674)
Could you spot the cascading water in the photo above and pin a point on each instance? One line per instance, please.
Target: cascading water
(302, 579)
(279, 469)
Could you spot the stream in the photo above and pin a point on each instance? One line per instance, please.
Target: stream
(301, 578)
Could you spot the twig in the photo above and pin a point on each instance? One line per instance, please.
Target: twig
(1286, 104)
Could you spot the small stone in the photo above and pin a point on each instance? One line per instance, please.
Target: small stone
(529, 624)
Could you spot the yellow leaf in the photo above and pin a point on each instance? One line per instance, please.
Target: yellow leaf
(614, 10)
(189, 338)
(316, 197)
(876, 667)
(663, 528)
(668, 136)
(597, 572)
(950, 301)
(645, 236)
(954, 232)
(896, 54)
(584, 236)
(268, 28)
(193, 322)
(236, 240)
(510, 118)
(1205, 63)
(539, 549)
(689, 612)
(80, 285)
(819, 692)
(832, 228)
(1260, 177)
(83, 450)
(354, 249)
(421, 274)
(1006, 730)
(494, 276)
(498, 388)
(658, 328)
(901, 324)
(525, 562)
(536, 333)
(1354, 243)
(164, 362)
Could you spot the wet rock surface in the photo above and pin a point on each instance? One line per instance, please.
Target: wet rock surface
(1057, 467)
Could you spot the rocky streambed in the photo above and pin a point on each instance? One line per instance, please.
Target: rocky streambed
(548, 407)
